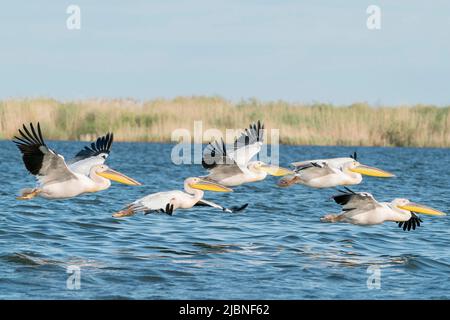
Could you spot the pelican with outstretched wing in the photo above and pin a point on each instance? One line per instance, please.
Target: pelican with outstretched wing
(169, 201)
(361, 208)
(235, 167)
(57, 180)
(327, 173)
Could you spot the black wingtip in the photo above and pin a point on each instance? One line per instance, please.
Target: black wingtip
(237, 209)
(29, 143)
(412, 223)
(349, 190)
(101, 145)
(169, 209)
(29, 136)
(40, 133)
(214, 154)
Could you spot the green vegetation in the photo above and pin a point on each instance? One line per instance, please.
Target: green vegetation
(307, 124)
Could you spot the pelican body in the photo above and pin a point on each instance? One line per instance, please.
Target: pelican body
(79, 184)
(169, 201)
(235, 167)
(328, 173)
(57, 180)
(361, 208)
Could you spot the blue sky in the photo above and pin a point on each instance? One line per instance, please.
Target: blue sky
(304, 51)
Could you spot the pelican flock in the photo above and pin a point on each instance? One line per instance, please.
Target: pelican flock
(226, 166)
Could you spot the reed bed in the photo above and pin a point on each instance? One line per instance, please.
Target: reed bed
(358, 124)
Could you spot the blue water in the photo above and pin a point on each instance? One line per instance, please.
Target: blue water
(276, 249)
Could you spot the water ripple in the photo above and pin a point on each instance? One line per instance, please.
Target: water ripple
(276, 248)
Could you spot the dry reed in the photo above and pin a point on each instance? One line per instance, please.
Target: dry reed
(306, 124)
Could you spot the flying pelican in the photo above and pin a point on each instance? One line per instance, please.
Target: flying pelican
(55, 179)
(361, 208)
(326, 173)
(235, 168)
(169, 201)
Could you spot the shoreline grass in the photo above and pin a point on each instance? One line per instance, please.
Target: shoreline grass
(358, 124)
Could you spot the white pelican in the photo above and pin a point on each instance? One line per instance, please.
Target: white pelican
(361, 208)
(57, 180)
(235, 168)
(326, 173)
(169, 201)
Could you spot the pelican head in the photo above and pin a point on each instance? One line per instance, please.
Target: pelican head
(357, 167)
(104, 171)
(405, 204)
(202, 184)
(259, 166)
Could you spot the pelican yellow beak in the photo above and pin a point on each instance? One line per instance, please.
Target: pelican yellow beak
(118, 177)
(275, 170)
(371, 171)
(420, 208)
(209, 186)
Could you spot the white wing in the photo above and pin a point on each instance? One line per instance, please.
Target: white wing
(332, 163)
(215, 155)
(309, 170)
(245, 147)
(223, 172)
(248, 144)
(92, 155)
(204, 202)
(218, 163)
(360, 201)
(156, 201)
(44, 163)
(313, 169)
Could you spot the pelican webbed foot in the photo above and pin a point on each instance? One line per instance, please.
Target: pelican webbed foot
(288, 181)
(128, 211)
(28, 194)
(332, 218)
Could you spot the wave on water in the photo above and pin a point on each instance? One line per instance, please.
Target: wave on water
(276, 249)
